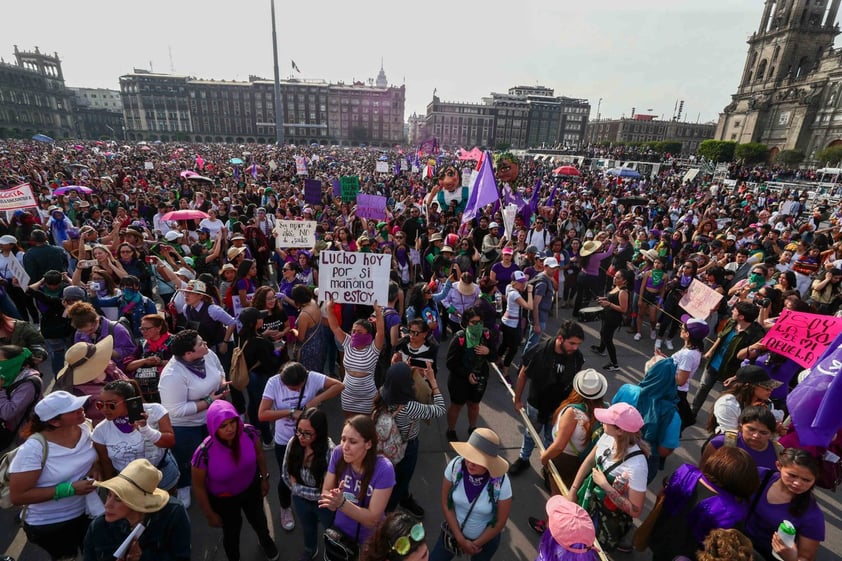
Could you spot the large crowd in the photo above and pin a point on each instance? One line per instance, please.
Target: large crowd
(150, 362)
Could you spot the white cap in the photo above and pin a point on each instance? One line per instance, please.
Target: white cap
(550, 262)
(186, 273)
(172, 235)
(58, 403)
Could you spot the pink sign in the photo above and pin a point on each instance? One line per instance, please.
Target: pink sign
(371, 206)
(700, 300)
(802, 337)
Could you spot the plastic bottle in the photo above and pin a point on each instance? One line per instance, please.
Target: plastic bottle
(498, 303)
(621, 483)
(786, 531)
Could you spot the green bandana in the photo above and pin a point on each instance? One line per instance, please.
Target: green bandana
(657, 276)
(9, 369)
(473, 333)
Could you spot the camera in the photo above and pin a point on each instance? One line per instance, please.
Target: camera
(95, 285)
(762, 302)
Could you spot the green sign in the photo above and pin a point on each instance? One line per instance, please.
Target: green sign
(350, 187)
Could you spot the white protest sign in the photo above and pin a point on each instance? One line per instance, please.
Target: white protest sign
(300, 165)
(18, 271)
(295, 233)
(509, 214)
(349, 277)
(273, 165)
(17, 198)
(382, 167)
(699, 300)
(238, 306)
(148, 165)
(404, 165)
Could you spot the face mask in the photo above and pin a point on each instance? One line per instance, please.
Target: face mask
(129, 293)
(473, 333)
(755, 279)
(360, 339)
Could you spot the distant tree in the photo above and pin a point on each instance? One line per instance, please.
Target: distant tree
(717, 150)
(502, 146)
(669, 147)
(790, 158)
(752, 152)
(831, 156)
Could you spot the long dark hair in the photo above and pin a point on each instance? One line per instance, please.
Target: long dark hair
(364, 425)
(801, 458)
(319, 444)
(416, 299)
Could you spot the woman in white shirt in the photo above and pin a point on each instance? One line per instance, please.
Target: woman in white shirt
(750, 386)
(687, 360)
(511, 319)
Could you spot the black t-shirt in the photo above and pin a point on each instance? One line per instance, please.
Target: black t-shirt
(551, 376)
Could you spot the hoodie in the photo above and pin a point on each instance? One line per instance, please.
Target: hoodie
(227, 474)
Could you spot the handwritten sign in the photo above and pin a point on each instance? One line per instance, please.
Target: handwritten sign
(18, 272)
(313, 191)
(801, 336)
(17, 198)
(349, 277)
(699, 300)
(350, 185)
(382, 167)
(300, 165)
(295, 233)
(371, 206)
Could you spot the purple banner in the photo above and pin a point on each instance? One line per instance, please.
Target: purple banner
(371, 206)
(313, 191)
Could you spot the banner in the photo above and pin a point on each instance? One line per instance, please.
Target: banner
(337, 188)
(801, 336)
(350, 185)
(814, 403)
(17, 198)
(700, 299)
(295, 233)
(18, 272)
(300, 165)
(313, 191)
(371, 206)
(348, 277)
(382, 167)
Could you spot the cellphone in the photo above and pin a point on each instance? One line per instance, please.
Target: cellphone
(134, 405)
(95, 285)
(86, 263)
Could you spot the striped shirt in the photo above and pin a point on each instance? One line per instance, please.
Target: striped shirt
(410, 414)
(359, 360)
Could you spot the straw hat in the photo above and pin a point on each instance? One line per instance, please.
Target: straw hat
(233, 252)
(650, 254)
(137, 487)
(483, 448)
(589, 247)
(87, 361)
(196, 287)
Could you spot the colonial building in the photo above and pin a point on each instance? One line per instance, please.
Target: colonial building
(170, 107)
(33, 97)
(461, 124)
(99, 113)
(646, 128)
(789, 92)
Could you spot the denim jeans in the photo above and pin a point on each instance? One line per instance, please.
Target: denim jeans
(255, 388)
(439, 553)
(310, 516)
(545, 430)
(187, 439)
(56, 348)
(403, 474)
(533, 338)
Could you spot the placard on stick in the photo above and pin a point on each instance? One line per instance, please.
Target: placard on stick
(700, 299)
(295, 233)
(350, 185)
(371, 206)
(801, 336)
(349, 277)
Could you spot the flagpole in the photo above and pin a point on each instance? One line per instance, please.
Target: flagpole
(279, 111)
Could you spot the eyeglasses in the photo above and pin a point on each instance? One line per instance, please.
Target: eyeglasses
(402, 545)
(304, 433)
(414, 332)
(110, 405)
(146, 327)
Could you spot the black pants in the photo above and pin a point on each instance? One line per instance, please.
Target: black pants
(284, 493)
(61, 540)
(688, 419)
(510, 343)
(610, 323)
(587, 289)
(250, 502)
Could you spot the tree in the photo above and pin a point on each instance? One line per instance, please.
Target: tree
(502, 146)
(752, 152)
(790, 158)
(669, 147)
(831, 156)
(717, 150)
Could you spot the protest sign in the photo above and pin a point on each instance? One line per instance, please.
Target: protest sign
(404, 165)
(382, 167)
(801, 336)
(348, 277)
(148, 165)
(17, 198)
(295, 233)
(18, 272)
(337, 188)
(273, 165)
(300, 165)
(350, 185)
(699, 300)
(371, 206)
(238, 306)
(313, 191)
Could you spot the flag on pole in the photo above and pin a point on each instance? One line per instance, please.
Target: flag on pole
(295, 66)
(552, 195)
(483, 192)
(814, 403)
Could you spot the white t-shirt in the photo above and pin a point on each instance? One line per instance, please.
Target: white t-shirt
(124, 448)
(513, 310)
(636, 468)
(687, 359)
(213, 225)
(284, 398)
(63, 464)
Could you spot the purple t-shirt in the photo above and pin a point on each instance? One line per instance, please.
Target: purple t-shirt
(504, 275)
(349, 482)
(765, 459)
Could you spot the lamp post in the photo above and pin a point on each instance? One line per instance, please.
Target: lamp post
(279, 111)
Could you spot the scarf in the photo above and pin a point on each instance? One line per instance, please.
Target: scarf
(657, 276)
(9, 369)
(197, 367)
(123, 424)
(130, 301)
(158, 345)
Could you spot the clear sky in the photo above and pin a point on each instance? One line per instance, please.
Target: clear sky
(642, 54)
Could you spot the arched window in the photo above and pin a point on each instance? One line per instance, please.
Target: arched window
(761, 70)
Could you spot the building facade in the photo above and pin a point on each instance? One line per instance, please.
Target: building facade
(34, 98)
(170, 107)
(461, 124)
(99, 113)
(789, 93)
(646, 128)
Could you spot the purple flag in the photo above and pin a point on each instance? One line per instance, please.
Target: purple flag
(337, 188)
(236, 173)
(536, 193)
(254, 170)
(398, 166)
(484, 191)
(814, 403)
(552, 195)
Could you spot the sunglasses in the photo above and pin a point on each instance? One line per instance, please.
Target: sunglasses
(304, 433)
(110, 405)
(415, 332)
(402, 545)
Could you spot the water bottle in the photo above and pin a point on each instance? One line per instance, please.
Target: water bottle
(786, 531)
(498, 303)
(621, 483)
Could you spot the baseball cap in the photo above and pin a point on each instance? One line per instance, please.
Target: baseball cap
(58, 403)
(697, 328)
(621, 415)
(570, 525)
(186, 273)
(550, 262)
(531, 249)
(506, 250)
(73, 293)
(172, 236)
(757, 376)
(519, 276)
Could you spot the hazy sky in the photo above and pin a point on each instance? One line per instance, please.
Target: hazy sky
(644, 54)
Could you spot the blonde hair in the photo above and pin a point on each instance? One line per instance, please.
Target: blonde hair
(626, 440)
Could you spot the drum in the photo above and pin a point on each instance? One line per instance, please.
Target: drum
(592, 313)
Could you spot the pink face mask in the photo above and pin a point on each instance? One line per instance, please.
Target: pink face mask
(360, 339)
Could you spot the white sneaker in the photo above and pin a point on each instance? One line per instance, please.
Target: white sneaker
(670, 346)
(657, 344)
(653, 334)
(184, 496)
(637, 336)
(287, 520)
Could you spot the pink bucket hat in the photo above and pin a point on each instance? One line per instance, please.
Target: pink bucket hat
(570, 525)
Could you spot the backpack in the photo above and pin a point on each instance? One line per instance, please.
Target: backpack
(239, 373)
(390, 443)
(6, 463)
(8, 434)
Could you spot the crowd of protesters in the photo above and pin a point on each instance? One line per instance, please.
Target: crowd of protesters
(143, 320)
